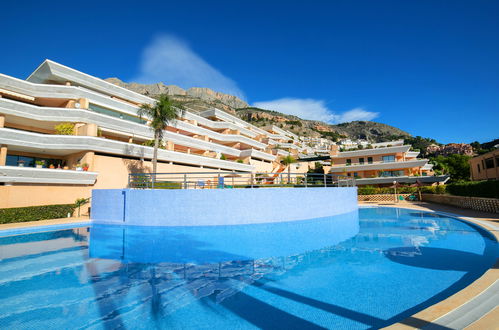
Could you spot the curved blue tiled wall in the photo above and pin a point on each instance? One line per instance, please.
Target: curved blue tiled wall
(163, 207)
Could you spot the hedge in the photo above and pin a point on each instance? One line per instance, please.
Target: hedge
(487, 189)
(370, 190)
(34, 213)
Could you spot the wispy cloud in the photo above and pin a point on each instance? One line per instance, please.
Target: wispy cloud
(170, 60)
(315, 110)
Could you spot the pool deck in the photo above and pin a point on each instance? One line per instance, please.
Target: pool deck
(42, 223)
(475, 307)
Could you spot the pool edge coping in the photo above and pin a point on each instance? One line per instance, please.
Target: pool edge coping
(428, 316)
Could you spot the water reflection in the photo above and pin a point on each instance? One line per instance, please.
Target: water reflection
(211, 244)
(129, 277)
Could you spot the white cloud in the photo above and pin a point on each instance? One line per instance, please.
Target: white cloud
(315, 110)
(170, 60)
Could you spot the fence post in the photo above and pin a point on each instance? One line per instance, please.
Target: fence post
(185, 181)
(325, 182)
(251, 180)
(306, 180)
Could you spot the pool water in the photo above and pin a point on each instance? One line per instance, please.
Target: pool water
(360, 270)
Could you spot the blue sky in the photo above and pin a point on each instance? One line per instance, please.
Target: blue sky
(428, 67)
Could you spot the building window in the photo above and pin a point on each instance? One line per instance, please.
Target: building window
(117, 114)
(14, 160)
(361, 161)
(369, 160)
(349, 174)
(489, 163)
(391, 173)
(478, 166)
(349, 162)
(389, 159)
(355, 174)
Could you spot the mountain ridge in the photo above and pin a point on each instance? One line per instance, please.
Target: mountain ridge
(198, 99)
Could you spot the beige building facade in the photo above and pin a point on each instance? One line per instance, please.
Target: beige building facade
(64, 133)
(485, 167)
(383, 164)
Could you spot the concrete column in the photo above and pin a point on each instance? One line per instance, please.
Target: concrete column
(88, 158)
(86, 129)
(2, 121)
(3, 155)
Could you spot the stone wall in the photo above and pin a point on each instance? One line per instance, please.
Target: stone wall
(475, 203)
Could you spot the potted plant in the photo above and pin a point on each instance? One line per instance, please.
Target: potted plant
(78, 167)
(85, 166)
(52, 166)
(40, 163)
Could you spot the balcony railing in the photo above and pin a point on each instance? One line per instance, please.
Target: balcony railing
(221, 180)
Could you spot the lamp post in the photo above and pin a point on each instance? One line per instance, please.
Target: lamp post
(395, 187)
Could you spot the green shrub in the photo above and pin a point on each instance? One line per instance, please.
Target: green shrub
(434, 189)
(487, 189)
(167, 185)
(65, 129)
(34, 213)
(366, 190)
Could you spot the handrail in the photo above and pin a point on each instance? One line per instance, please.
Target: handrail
(227, 179)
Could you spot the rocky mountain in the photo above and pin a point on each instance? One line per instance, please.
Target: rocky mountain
(201, 93)
(197, 99)
(368, 130)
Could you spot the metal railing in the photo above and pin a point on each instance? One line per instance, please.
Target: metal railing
(214, 180)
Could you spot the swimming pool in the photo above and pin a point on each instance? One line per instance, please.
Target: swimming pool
(365, 269)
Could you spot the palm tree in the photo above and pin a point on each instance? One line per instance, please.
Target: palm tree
(287, 161)
(162, 113)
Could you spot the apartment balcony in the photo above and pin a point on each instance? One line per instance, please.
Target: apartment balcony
(371, 152)
(220, 124)
(412, 154)
(379, 166)
(288, 146)
(13, 174)
(50, 71)
(427, 167)
(283, 132)
(218, 136)
(258, 155)
(72, 92)
(215, 113)
(46, 117)
(64, 92)
(68, 144)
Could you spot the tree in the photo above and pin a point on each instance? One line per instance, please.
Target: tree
(287, 161)
(80, 202)
(163, 112)
(456, 165)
